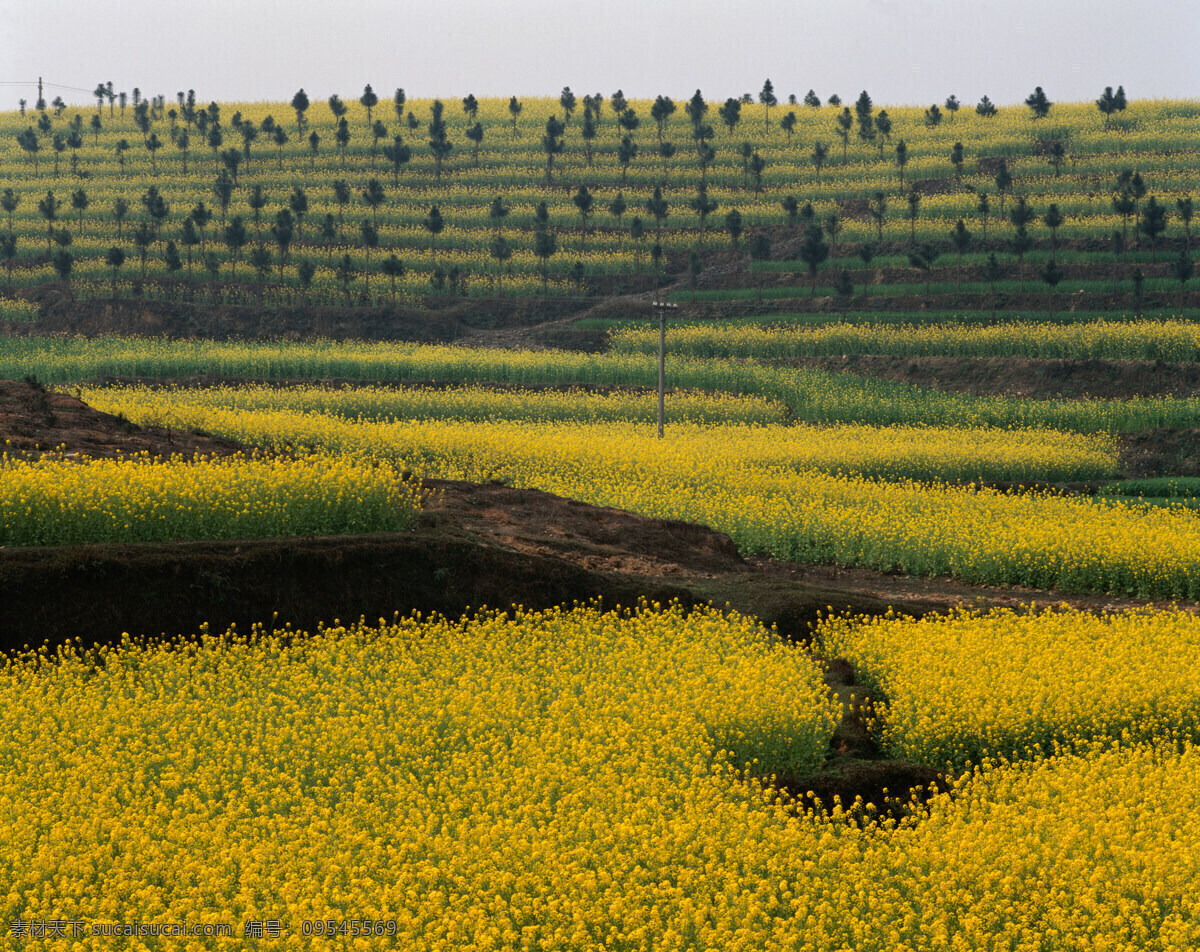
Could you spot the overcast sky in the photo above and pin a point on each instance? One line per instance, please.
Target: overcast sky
(902, 51)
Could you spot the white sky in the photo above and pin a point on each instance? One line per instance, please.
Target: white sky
(901, 51)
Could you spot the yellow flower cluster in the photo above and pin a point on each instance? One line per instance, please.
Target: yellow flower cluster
(55, 502)
(1073, 852)
(964, 687)
(541, 781)
(61, 359)
(1087, 340)
(17, 310)
(550, 781)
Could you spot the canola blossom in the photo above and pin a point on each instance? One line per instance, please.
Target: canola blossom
(141, 499)
(1072, 852)
(965, 687)
(555, 780)
(18, 311)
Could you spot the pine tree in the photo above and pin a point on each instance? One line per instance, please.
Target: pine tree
(300, 105)
(819, 154)
(956, 159)
(583, 201)
(703, 206)
(845, 122)
(1153, 224)
(1021, 215)
(877, 209)
(552, 144)
(114, 259)
(813, 251)
(369, 100)
(1109, 102)
(922, 257)
(1038, 104)
(1052, 274)
(1053, 219)
(767, 97)
(439, 144)
(961, 239)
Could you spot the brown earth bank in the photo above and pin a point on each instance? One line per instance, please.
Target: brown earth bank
(34, 421)
(1162, 453)
(474, 545)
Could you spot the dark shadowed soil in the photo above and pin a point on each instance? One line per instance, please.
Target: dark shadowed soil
(855, 767)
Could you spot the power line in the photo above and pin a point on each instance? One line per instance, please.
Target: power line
(76, 89)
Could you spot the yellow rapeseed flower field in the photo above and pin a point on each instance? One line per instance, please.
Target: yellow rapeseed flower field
(464, 402)
(555, 780)
(1085, 340)
(740, 432)
(537, 781)
(53, 502)
(968, 686)
(808, 394)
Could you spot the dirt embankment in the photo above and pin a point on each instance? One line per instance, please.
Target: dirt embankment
(34, 421)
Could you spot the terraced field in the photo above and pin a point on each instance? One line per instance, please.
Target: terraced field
(333, 597)
(419, 199)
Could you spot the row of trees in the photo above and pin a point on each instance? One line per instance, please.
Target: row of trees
(873, 129)
(814, 248)
(1129, 190)
(1108, 103)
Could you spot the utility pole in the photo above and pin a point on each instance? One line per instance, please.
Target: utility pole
(662, 307)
